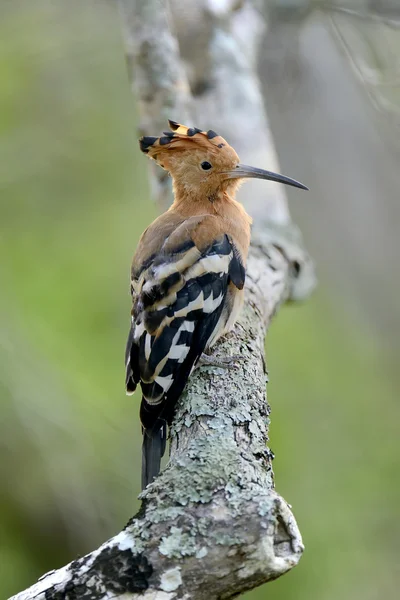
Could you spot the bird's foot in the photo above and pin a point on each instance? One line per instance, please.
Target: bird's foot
(225, 362)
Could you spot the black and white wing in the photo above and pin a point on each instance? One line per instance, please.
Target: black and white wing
(180, 307)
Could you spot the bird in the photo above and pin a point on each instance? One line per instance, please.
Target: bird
(187, 274)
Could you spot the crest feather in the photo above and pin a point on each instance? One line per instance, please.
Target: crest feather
(180, 138)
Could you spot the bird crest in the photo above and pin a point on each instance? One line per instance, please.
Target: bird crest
(181, 138)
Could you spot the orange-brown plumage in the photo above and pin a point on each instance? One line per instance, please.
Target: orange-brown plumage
(188, 273)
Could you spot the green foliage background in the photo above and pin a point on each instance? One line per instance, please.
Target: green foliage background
(74, 200)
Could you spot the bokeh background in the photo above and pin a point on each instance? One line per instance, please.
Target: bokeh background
(74, 200)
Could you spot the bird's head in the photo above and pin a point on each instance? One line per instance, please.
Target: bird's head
(203, 162)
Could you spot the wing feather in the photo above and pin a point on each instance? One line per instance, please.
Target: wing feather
(179, 298)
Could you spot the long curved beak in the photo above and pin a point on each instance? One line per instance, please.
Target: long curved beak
(243, 171)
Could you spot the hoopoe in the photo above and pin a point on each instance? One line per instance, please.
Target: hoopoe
(187, 274)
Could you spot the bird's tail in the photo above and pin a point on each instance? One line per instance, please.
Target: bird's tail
(153, 448)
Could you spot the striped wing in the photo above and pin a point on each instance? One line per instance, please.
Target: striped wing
(179, 303)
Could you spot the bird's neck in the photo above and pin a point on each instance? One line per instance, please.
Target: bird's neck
(189, 204)
(233, 218)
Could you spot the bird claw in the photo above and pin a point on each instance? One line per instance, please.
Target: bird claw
(207, 360)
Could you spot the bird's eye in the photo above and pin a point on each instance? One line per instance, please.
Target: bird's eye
(206, 166)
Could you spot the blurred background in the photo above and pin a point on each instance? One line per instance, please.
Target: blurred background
(74, 200)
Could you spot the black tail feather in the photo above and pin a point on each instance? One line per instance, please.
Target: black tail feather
(153, 448)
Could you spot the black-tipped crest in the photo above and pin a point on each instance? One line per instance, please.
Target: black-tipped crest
(192, 131)
(151, 145)
(146, 141)
(173, 124)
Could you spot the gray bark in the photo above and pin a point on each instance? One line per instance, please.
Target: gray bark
(211, 525)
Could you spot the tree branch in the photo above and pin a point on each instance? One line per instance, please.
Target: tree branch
(157, 75)
(211, 525)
